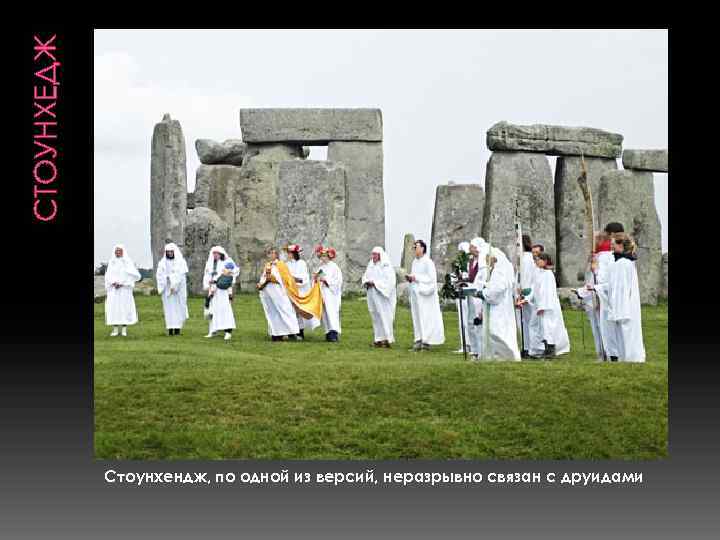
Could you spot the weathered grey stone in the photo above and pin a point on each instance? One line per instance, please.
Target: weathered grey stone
(664, 288)
(274, 153)
(99, 291)
(246, 199)
(646, 160)
(628, 197)
(203, 230)
(365, 203)
(458, 217)
(190, 200)
(229, 152)
(311, 206)
(522, 183)
(168, 185)
(571, 256)
(204, 177)
(554, 140)
(408, 252)
(567, 296)
(310, 126)
(306, 152)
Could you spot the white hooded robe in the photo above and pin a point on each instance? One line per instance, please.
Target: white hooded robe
(279, 311)
(220, 306)
(548, 325)
(427, 318)
(382, 297)
(331, 295)
(171, 281)
(119, 302)
(299, 269)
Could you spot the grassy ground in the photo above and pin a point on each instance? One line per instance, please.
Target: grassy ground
(187, 397)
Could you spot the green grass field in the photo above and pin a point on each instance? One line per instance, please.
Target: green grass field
(187, 397)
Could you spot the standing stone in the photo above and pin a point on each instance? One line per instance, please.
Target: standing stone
(408, 252)
(168, 186)
(646, 160)
(519, 182)
(311, 207)
(570, 215)
(202, 184)
(628, 197)
(554, 140)
(458, 217)
(365, 203)
(203, 230)
(664, 290)
(230, 152)
(311, 127)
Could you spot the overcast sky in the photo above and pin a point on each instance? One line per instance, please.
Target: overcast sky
(439, 92)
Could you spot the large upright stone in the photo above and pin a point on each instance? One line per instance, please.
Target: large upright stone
(408, 252)
(203, 176)
(554, 140)
(664, 289)
(628, 197)
(311, 206)
(229, 152)
(203, 230)
(519, 183)
(168, 186)
(365, 203)
(458, 217)
(646, 160)
(570, 214)
(310, 126)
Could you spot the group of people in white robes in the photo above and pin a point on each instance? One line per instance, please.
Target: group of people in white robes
(504, 299)
(612, 298)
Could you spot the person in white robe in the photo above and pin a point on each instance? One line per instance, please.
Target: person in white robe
(597, 310)
(330, 278)
(380, 281)
(428, 326)
(499, 324)
(621, 292)
(120, 277)
(464, 247)
(300, 273)
(220, 309)
(527, 277)
(477, 276)
(171, 281)
(279, 311)
(549, 336)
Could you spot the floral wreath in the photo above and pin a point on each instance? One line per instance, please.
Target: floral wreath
(320, 250)
(293, 248)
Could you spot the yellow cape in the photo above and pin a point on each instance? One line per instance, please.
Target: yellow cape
(307, 306)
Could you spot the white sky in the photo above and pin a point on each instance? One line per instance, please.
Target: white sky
(439, 92)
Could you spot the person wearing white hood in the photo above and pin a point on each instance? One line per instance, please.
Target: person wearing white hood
(465, 248)
(477, 275)
(219, 307)
(380, 281)
(427, 318)
(171, 281)
(499, 325)
(120, 277)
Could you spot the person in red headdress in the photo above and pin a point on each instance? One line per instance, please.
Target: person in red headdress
(330, 278)
(299, 271)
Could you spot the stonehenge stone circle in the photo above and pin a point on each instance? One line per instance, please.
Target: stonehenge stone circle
(554, 140)
(646, 160)
(458, 217)
(522, 181)
(571, 256)
(312, 127)
(628, 197)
